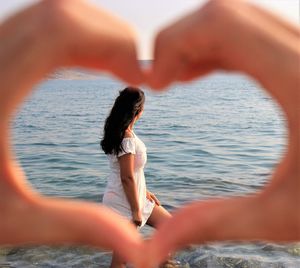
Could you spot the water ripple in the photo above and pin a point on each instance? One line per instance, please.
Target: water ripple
(220, 136)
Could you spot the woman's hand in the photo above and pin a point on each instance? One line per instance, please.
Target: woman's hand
(150, 196)
(137, 218)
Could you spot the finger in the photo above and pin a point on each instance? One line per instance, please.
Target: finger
(193, 71)
(106, 42)
(280, 22)
(137, 223)
(184, 44)
(215, 220)
(119, 58)
(150, 198)
(127, 67)
(155, 200)
(166, 62)
(149, 195)
(56, 221)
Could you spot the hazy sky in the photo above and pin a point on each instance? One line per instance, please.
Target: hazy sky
(148, 16)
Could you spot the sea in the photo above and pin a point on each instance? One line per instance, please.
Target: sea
(218, 136)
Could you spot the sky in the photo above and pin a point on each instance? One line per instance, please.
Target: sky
(148, 16)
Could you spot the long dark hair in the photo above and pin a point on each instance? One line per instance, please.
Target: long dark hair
(127, 106)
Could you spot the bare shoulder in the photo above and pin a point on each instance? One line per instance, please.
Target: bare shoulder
(128, 134)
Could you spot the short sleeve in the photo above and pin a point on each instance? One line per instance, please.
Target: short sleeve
(127, 146)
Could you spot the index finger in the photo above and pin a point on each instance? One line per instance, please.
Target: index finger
(155, 200)
(166, 62)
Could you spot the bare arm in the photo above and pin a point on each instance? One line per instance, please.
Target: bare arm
(127, 176)
(33, 43)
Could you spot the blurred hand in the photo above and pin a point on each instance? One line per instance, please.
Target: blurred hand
(150, 196)
(234, 35)
(94, 38)
(224, 34)
(33, 43)
(55, 33)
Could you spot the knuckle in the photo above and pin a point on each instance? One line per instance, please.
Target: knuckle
(128, 49)
(162, 38)
(55, 7)
(54, 12)
(221, 9)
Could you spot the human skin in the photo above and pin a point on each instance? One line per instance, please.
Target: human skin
(225, 34)
(129, 185)
(152, 197)
(234, 35)
(33, 43)
(127, 177)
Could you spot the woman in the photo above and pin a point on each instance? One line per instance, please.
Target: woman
(126, 190)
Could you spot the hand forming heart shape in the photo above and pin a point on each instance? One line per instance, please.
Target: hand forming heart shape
(228, 35)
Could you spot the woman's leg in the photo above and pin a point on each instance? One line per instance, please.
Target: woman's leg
(159, 215)
(117, 262)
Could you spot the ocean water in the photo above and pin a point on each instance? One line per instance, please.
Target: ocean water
(219, 136)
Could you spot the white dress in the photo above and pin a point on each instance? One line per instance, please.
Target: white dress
(114, 195)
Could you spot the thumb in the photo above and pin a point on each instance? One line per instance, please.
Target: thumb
(58, 221)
